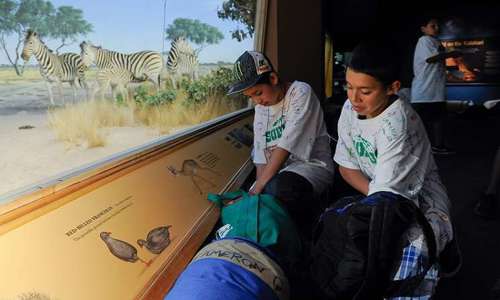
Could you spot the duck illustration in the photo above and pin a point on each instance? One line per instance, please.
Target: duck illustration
(191, 168)
(157, 240)
(121, 249)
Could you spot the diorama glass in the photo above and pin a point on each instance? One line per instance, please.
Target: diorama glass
(83, 80)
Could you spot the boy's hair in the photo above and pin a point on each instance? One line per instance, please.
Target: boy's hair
(377, 59)
(266, 78)
(424, 20)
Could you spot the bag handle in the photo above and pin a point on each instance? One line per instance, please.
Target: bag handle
(221, 199)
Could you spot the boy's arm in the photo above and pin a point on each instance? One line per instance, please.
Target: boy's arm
(355, 178)
(267, 171)
(259, 168)
(443, 56)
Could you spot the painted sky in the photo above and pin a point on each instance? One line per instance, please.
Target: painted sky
(134, 25)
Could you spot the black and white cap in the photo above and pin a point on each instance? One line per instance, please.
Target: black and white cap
(249, 68)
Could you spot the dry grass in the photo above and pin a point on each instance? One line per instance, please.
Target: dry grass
(170, 118)
(84, 123)
(8, 75)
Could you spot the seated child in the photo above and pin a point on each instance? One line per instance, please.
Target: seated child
(383, 145)
(291, 146)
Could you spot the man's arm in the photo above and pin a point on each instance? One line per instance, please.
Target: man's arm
(267, 171)
(443, 56)
(355, 178)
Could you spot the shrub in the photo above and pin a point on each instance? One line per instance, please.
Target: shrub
(214, 83)
(142, 97)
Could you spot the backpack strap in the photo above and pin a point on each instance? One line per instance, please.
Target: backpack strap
(221, 199)
(382, 247)
(377, 262)
(406, 286)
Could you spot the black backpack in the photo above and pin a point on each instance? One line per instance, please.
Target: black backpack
(357, 243)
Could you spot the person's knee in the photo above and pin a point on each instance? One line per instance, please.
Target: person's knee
(288, 186)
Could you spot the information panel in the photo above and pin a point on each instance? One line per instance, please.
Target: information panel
(108, 242)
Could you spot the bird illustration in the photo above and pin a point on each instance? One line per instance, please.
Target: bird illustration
(157, 240)
(121, 249)
(190, 168)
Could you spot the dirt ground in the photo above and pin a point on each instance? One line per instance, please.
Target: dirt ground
(29, 148)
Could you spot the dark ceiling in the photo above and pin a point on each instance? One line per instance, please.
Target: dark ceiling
(352, 20)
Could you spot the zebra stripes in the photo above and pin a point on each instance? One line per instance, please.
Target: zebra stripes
(120, 69)
(67, 67)
(182, 59)
(117, 78)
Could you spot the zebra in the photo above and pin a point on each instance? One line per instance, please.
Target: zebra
(67, 67)
(182, 59)
(117, 78)
(119, 69)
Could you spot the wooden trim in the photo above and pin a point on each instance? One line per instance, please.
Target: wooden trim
(271, 36)
(260, 25)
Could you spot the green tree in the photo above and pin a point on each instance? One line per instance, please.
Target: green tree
(195, 31)
(16, 17)
(7, 25)
(68, 24)
(242, 11)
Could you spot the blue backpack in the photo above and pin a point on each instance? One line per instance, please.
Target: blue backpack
(231, 268)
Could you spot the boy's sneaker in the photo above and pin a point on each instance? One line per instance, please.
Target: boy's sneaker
(486, 206)
(442, 150)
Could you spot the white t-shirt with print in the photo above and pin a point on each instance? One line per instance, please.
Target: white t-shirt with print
(429, 81)
(393, 151)
(296, 125)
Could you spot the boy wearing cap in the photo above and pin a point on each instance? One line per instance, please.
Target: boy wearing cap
(291, 146)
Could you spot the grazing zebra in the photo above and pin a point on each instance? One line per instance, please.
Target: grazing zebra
(182, 59)
(118, 69)
(117, 78)
(67, 67)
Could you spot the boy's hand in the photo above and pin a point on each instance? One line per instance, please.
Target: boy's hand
(256, 188)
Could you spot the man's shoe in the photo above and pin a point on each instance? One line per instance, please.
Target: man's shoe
(442, 150)
(486, 206)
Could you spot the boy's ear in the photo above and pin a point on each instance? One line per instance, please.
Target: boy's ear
(394, 87)
(273, 78)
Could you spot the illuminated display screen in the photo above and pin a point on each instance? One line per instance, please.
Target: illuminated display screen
(479, 63)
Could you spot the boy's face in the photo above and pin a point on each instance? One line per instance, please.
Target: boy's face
(432, 28)
(367, 95)
(265, 94)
